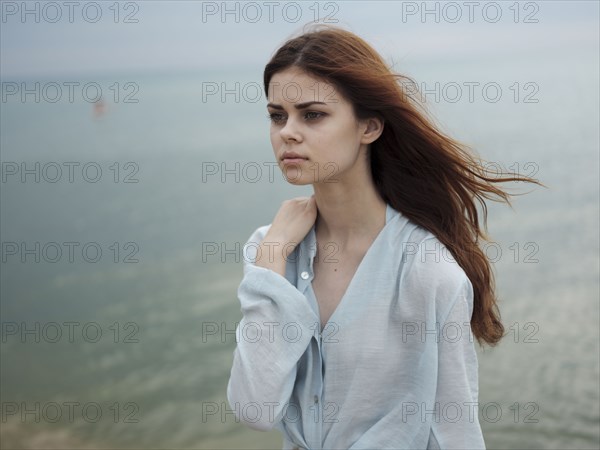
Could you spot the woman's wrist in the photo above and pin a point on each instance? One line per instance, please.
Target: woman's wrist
(272, 255)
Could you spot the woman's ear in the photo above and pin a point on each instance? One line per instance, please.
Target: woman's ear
(372, 131)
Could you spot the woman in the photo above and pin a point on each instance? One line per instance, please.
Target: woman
(360, 302)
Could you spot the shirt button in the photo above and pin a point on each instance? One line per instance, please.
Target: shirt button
(304, 275)
(316, 399)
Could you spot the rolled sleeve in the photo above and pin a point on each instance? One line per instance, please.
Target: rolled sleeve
(275, 330)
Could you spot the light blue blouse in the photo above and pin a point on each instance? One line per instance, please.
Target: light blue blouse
(394, 367)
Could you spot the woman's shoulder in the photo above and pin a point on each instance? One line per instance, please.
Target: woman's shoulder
(250, 249)
(426, 258)
(429, 271)
(258, 234)
(409, 235)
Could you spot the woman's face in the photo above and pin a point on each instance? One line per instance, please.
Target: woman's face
(314, 133)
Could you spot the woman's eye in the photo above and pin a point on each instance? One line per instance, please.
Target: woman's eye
(274, 117)
(312, 115)
(309, 115)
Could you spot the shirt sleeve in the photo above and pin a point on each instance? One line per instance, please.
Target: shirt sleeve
(273, 334)
(455, 423)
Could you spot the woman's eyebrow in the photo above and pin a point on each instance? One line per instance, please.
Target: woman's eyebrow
(297, 106)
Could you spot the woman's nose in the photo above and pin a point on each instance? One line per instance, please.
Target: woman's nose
(290, 130)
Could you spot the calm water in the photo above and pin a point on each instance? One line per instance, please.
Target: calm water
(151, 374)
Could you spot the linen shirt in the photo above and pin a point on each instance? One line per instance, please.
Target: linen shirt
(394, 367)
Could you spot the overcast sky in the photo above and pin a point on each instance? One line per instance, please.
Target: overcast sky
(55, 38)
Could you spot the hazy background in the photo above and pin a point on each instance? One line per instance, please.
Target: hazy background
(112, 350)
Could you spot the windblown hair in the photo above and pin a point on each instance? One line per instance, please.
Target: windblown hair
(429, 177)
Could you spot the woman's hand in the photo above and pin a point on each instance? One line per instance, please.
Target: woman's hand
(291, 224)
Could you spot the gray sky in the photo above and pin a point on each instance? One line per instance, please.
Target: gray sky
(58, 39)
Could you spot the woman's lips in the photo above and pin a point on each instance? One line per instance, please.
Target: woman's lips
(293, 160)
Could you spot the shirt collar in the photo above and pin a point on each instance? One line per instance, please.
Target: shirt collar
(308, 246)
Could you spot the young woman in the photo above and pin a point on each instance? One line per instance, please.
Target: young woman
(360, 303)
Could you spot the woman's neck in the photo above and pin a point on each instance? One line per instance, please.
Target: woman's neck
(348, 214)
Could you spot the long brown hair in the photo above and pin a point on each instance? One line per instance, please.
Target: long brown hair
(429, 177)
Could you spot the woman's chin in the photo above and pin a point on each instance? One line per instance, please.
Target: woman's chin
(299, 181)
(293, 174)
